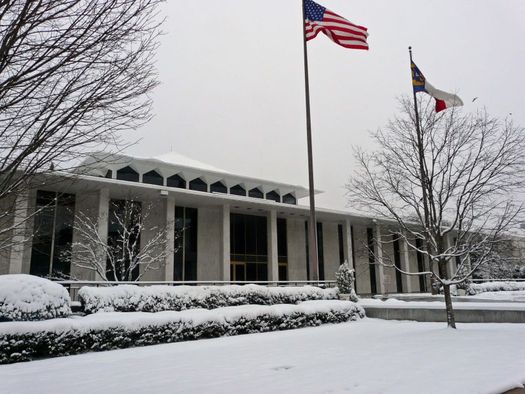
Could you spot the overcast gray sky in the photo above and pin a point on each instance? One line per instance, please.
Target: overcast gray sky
(232, 82)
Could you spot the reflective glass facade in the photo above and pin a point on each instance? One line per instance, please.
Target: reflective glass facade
(199, 185)
(185, 267)
(153, 178)
(282, 249)
(128, 174)
(53, 234)
(176, 181)
(248, 247)
(218, 187)
(123, 239)
(320, 250)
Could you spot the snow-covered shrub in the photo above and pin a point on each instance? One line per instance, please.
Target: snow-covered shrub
(107, 331)
(345, 280)
(129, 298)
(476, 288)
(27, 297)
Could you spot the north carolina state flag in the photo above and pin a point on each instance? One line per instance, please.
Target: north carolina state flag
(444, 100)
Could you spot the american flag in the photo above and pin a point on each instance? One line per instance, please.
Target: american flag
(337, 28)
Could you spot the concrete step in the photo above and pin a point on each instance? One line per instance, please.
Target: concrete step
(421, 314)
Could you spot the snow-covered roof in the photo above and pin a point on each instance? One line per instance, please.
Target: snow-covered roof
(169, 164)
(177, 159)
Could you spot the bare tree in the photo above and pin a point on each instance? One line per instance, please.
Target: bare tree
(73, 75)
(452, 189)
(123, 256)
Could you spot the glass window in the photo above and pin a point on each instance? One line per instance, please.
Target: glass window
(397, 262)
(249, 247)
(289, 199)
(199, 185)
(371, 260)
(282, 249)
(124, 239)
(274, 196)
(256, 193)
(238, 190)
(218, 187)
(421, 267)
(128, 174)
(320, 250)
(153, 178)
(185, 244)
(53, 234)
(341, 243)
(109, 174)
(176, 181)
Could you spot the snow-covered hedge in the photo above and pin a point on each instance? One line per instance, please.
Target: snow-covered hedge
(476, 288)
(24, 341)
(27, 297)
(129, 298)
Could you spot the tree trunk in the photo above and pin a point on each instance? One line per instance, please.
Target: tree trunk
(451, 320)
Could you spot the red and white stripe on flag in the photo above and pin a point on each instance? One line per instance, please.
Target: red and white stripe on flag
(339, 30)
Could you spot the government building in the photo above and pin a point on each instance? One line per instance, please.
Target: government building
(219, 227)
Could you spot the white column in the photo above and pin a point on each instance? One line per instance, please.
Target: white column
(170, 239)
(273, 258)
(405, 265)
(103, 217)
(20, 218)
(380, 272)
(225, 248)
(347, 243)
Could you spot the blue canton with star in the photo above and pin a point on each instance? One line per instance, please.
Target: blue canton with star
(314, 11)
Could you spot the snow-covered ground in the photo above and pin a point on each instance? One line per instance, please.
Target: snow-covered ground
(515, 296)
(368, 356)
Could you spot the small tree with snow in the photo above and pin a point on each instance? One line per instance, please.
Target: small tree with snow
(122, 256)
(345, 280)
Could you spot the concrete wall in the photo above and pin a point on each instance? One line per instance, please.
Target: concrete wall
(296, 249)
(331, 250)
(362, 270)
(209, 244)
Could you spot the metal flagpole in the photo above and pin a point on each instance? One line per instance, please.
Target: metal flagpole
(421, 154)
(312, 227)
(421, 151)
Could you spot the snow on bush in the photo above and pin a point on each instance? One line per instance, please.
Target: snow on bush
(24, 341)
(345, 280)
(27, 297)
(129, 298)
(476, 288)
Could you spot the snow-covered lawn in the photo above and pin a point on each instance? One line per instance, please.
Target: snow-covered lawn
(518, 295)
(368, 356)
